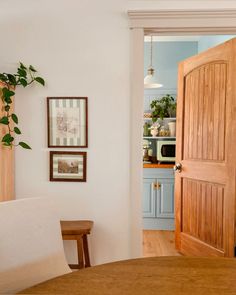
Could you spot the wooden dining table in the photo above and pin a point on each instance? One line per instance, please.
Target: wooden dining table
(147, 276)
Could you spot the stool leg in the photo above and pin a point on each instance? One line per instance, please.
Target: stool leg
(86, 251)
(80, 252)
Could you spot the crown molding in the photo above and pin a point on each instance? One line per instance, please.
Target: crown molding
(191, 31)
(203, 21)
(180, 13)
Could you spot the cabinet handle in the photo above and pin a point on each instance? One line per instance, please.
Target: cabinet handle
(156, 186)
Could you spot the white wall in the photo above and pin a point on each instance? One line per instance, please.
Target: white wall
(81, 48)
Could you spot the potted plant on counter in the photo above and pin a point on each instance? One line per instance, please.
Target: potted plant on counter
(24, 77)
(163, 108)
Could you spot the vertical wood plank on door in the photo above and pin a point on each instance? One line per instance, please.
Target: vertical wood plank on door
(185, 207)
(203, 216)
(195, 113)
(208, 214)
(214, 215)
(186, 118)
(191, 112)
(205, 112)
(220, 212)
(222, 115)
(199, 210)
(194, 207)
(200, 112)
(210, 112)
(216, 112)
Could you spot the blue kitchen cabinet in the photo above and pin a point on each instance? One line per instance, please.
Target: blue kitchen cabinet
(158, 199)
(149, 197)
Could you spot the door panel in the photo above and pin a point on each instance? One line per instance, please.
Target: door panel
(149, 197)
(205, 104)
(203, 211)
(206, 138)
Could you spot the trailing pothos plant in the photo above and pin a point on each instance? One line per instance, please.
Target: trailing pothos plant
(24, 77)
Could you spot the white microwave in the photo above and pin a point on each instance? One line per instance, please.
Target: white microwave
(166, 150)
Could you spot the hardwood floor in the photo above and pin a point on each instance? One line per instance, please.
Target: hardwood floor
(159, 243)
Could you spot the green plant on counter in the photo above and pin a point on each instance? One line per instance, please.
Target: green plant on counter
(24, 77)
(162, 107)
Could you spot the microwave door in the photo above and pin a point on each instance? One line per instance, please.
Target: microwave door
(168, 150)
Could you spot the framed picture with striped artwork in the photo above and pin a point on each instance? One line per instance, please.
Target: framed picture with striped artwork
(67, 122)
(68, 166)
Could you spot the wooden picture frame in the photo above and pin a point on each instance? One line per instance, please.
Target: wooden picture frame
(67, 120)
(68, 166)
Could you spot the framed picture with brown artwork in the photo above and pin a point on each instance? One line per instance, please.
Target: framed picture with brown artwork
(68, 166)
(67, 122)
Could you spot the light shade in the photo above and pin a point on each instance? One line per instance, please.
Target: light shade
(150, 80)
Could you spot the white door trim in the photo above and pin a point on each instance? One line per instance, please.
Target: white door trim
(163, 22)
(184, 21)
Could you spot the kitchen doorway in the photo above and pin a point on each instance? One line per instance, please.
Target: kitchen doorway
(162, 54)
(159, 23)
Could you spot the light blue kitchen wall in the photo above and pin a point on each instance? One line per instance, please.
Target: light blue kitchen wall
(166, 56)
(206, 42)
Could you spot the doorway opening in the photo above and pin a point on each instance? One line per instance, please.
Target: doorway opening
(158, 214)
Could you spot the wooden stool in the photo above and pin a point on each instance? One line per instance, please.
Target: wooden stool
(78, 230)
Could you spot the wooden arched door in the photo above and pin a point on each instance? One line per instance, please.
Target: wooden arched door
(206, 152)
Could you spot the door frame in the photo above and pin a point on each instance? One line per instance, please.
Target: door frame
(162, 22)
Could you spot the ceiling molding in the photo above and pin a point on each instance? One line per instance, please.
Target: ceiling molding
(221, 21)
(214, 13)
(191, 31)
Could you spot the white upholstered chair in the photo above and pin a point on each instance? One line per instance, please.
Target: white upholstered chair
(31, 247)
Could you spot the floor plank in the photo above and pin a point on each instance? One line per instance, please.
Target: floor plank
(159, 243)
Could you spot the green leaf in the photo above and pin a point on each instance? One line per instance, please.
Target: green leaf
(22, 72)
(12, 79)
(17, 130)
(23, 82)
(40, 80)
(7, 138)
(3, 78)
(23, 66)
(24, 145)
(14, 118)
(8, 100)
(4, 120)
(7, 93)
(7, 108)
(32, 69)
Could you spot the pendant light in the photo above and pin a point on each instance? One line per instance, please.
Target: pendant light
(150, 80)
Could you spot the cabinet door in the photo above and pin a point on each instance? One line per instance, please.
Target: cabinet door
(149, 197)
(165, 198)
